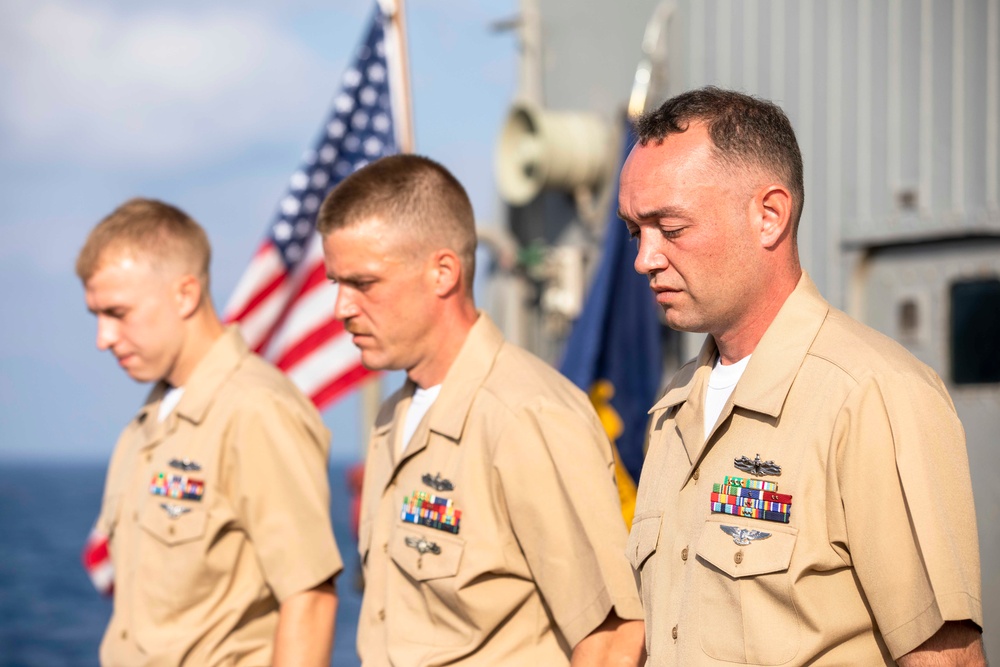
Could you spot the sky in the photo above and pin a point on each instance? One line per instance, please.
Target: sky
(208, 106)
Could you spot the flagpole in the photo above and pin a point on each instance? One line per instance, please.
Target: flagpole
(397, 17)
(408, 142)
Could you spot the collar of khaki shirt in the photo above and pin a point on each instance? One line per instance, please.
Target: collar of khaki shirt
(776, 359)
(223, 358)
(448, 415)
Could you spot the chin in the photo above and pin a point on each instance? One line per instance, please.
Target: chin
(683, 325)
(143, 378)
(373, 363)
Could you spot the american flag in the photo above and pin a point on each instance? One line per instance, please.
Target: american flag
(284, 303)
(97, 562)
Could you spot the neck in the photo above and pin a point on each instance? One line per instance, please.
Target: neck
(741, 339)
(203, 328)
(449, 334)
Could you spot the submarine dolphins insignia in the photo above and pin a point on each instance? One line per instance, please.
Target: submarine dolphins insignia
(184, 464)
(174, 511)
(437, 482)
(757, 467)
(744, 536)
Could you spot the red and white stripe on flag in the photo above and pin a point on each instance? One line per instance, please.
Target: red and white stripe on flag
(97, 562)
(287, 317)
(284, 303)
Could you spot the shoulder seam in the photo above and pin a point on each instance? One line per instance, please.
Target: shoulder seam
(835, 364)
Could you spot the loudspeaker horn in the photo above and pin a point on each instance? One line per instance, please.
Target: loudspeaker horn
(550, 150)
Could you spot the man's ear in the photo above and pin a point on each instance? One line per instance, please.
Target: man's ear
(773, 205)
(448, 272)
(187, 292)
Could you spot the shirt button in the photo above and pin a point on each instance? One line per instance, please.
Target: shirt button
(684, 553)
(124, 634)
(738, 557)
(673, 633)
(385, 548)
(171, 530)
(696, 474)
(381, 614)
(149, 457)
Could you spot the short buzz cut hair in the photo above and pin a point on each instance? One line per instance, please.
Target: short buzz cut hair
(749, 134)
(413, 194)
(150, 230)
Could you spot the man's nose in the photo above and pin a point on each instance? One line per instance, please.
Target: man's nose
(107, 332)
(651, 256)
(344, 307)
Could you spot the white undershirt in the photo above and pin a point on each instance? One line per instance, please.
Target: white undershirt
(422, 401)
(169, 402)
(721, 384)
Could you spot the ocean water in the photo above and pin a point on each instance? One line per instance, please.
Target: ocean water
(50, 615)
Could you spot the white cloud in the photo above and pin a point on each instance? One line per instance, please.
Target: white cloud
(158, 87)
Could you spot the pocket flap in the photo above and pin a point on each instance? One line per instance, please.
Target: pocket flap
(768, 546)
(109, 514)
(441, 557)
(643, 537)
(364, 538)
(185, 527)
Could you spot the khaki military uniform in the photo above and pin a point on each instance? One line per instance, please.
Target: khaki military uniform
(522, 557)
(881, 544)
(215, 516)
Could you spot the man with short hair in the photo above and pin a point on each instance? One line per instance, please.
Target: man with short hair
(806, 496)
(216, 504)
(491, 531)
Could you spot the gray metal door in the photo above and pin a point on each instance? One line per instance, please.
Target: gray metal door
(942, 301)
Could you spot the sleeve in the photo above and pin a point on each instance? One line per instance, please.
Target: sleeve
(283, 495)
(556, 471)
(96, 553)
(107, 518)
(903, 476)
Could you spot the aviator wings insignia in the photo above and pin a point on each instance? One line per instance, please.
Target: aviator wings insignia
(174, 511)
(744, 536)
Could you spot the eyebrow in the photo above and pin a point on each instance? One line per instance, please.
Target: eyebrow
(350, 278)
(662, 212)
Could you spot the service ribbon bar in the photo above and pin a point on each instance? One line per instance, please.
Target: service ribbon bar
(750, 502)
(750, 483)
(425, 509)
(179, 487)
(756, 494)
(750, 512)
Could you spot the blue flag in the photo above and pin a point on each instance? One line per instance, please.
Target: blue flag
(614, 350)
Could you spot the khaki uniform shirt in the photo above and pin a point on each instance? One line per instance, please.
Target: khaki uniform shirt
(881, 546)
(201, 569)
(535, 563)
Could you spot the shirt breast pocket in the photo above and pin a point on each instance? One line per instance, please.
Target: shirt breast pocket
(642, 543)
(172, 530)
(425, 557)
(426, 603)
(172, 568)
(364, 539)
(746, 612)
